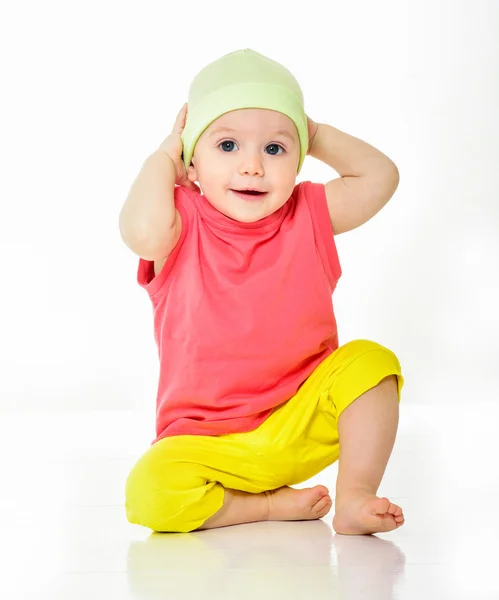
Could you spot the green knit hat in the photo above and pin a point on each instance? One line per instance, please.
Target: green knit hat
(242, 79)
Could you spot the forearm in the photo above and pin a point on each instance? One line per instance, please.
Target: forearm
(148, 214)
(348, 155)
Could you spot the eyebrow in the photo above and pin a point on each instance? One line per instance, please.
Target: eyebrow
(219, 130)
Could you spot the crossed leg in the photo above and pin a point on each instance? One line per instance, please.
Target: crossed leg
(367, 430)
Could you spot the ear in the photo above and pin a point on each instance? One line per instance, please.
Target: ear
(191, 172)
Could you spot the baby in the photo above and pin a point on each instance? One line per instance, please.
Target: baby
(255, 393)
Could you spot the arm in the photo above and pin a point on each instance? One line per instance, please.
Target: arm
(368, 177)
(149, 223)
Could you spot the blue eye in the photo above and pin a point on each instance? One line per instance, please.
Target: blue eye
(226, 146)
(275, 146)
(229, 146)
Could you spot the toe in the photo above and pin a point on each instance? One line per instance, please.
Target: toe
(319, 492)
(394, 510)
(388, 522)
(323, 505)
(380, 506)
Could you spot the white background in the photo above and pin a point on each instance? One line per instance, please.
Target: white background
(90, 89)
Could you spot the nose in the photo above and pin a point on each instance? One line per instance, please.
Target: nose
(251, 164)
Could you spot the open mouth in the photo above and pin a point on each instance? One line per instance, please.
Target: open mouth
(249, 193)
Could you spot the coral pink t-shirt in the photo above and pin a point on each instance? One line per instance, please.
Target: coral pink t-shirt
(243, 312)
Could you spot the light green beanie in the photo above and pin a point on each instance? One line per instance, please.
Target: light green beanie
(242, 79)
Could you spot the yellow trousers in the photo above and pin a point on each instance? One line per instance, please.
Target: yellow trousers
(179, 482)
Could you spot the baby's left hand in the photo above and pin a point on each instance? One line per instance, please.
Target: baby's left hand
(312, 130)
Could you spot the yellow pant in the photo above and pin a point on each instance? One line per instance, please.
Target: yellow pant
(179, 482)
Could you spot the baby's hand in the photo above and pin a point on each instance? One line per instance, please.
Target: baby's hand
(312, 127)
(172, 145)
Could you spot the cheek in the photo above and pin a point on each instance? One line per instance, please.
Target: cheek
(214, 173)
(285, 175)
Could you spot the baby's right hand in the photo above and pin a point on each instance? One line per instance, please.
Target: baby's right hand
(172, 145)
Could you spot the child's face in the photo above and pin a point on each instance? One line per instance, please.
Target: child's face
(262, 152)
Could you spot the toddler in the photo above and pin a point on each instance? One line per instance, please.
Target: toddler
(255, 393)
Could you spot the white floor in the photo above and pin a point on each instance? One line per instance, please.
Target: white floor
(64, 534)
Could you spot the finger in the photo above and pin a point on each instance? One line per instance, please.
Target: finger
(180, 120)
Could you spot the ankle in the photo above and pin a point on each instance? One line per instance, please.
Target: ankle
(272, 512)
(345, 491)
(239, 507)
(267, 504)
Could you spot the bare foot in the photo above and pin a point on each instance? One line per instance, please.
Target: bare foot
(360, 512)
(288, 504)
